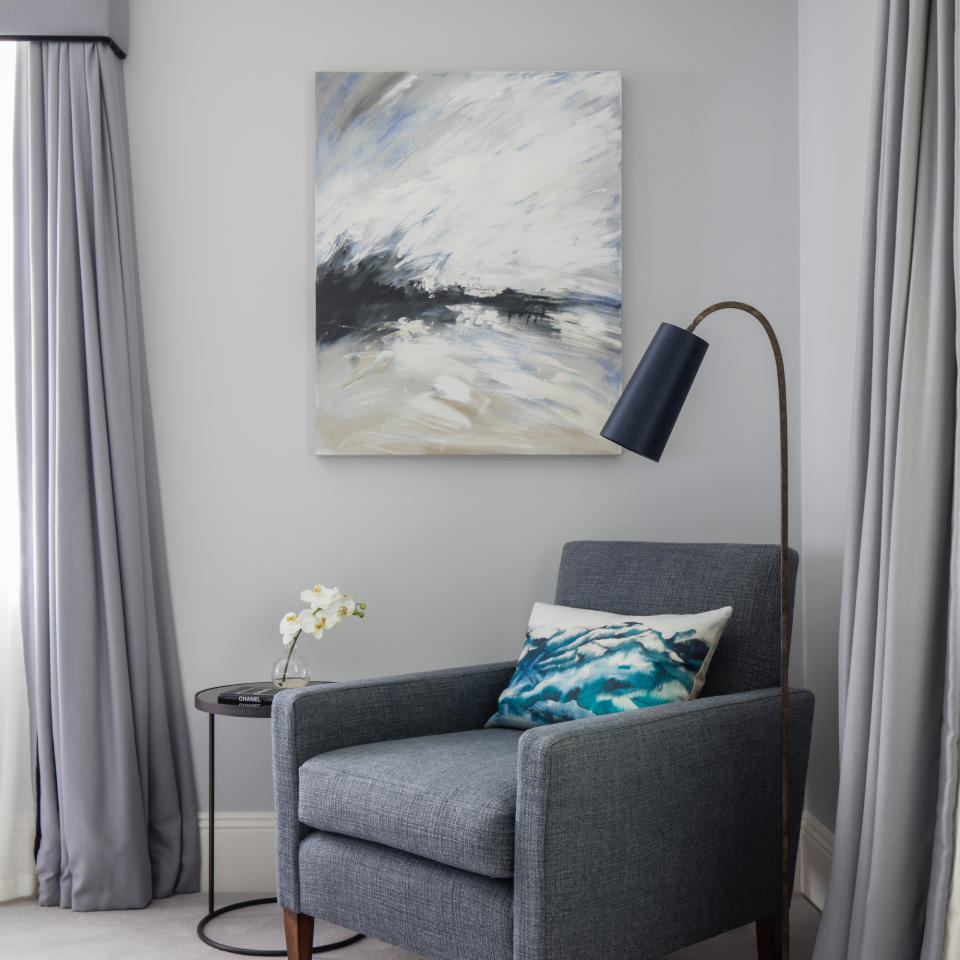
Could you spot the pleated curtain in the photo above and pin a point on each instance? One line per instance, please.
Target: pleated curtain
(895, 854)
(117, 800)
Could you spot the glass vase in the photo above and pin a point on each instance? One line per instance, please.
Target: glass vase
(291, 670)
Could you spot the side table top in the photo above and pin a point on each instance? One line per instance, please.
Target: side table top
(206, 700)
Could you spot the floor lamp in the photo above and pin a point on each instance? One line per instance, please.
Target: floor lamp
(642, 422)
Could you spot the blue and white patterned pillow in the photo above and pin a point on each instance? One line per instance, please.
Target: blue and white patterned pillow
(582, 663)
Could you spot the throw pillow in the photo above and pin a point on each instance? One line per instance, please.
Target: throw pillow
(583, 663)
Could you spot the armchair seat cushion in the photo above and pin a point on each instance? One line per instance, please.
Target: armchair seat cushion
(450, 798)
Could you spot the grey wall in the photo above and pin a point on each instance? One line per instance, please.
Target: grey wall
(836, 44)
(449, 553)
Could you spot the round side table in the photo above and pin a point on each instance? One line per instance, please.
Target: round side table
(206, 700)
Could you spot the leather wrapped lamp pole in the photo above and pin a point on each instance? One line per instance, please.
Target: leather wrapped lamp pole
(642, 422)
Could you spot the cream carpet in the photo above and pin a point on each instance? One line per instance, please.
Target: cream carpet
(166, 930)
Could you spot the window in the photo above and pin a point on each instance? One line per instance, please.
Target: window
(16, 801)
(8, 479)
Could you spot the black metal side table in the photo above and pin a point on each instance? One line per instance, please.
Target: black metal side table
(206, 700)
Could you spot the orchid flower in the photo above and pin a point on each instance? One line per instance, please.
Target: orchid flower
(327, 606)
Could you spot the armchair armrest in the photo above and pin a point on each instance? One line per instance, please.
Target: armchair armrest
(313, 720)
(644, 831)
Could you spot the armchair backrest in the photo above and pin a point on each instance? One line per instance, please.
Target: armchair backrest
(651, 578)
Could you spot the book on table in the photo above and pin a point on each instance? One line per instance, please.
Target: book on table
(248, 695)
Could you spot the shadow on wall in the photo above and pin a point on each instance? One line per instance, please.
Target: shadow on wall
(822, 573)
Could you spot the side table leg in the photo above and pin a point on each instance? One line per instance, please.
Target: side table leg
(299, 929)
(210, 819)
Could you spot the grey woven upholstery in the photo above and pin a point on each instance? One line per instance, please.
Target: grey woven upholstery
(631, 835)
(313, 720)
(645, 831)
(630, 577)
(434, 910)
(450, 797)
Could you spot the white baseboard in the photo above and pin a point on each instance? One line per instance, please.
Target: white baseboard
(813, 859)
(243, 853)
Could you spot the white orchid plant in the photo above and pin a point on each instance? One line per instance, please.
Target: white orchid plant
(326, 607)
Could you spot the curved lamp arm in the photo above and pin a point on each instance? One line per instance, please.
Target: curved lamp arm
(784, 618)
(642, 421)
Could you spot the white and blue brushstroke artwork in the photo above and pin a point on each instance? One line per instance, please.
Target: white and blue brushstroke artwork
(467, 262)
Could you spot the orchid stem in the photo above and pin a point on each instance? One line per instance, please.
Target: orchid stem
(286, 663)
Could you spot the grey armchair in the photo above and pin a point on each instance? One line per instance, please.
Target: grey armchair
(628, 835)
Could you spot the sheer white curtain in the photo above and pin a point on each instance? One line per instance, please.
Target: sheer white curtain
(17, 821)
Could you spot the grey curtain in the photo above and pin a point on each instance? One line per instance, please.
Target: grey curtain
(117, 801)
(898, 766)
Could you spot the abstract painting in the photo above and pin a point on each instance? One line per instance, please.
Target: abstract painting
(467, 262)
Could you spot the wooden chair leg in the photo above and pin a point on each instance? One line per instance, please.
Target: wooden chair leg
(298, 929)
(769, 939)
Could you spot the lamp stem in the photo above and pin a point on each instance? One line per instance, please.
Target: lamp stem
(784, 620)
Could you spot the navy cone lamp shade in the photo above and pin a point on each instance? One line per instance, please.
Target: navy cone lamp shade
(645, 414)
(642, 422)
